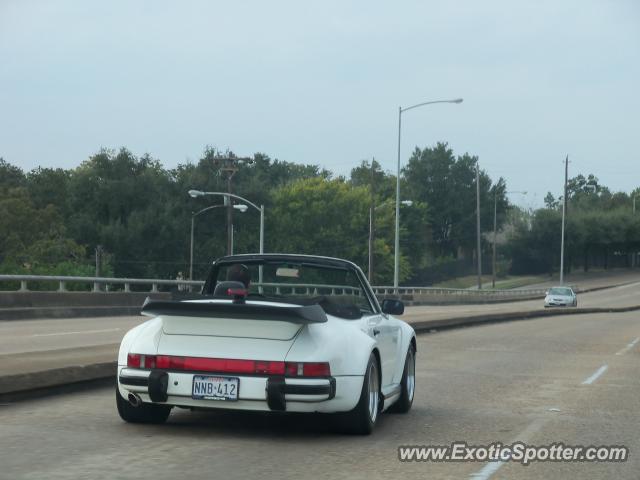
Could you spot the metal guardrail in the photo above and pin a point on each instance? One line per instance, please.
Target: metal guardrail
(103, 284)
(97, 282)
(389, 290)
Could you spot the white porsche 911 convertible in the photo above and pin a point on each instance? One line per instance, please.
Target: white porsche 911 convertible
(281, 333)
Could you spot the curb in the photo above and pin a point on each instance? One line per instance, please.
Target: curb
(37, 384)
(446, 323)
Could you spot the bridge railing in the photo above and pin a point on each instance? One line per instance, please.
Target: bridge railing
(106, 284)
(389, 290)
(99, 284)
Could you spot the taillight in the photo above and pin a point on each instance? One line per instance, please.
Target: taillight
(136, 360)
(220, 365)
(237, 292)
(307, 369)
(149, 361)
(228, 365)
(133, 360)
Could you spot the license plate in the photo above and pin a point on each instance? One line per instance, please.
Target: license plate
(215, 388)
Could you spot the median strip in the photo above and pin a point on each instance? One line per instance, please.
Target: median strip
(465, 321)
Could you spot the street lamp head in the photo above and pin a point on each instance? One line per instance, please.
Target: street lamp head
(196, 193)
(457, 100)
(241, 206)
(407, 203)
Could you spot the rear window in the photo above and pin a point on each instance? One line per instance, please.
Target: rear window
(567, 292)
(302, 283)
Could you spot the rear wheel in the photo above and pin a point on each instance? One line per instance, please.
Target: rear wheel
(363, 417)
(407, 384)
(145, 413)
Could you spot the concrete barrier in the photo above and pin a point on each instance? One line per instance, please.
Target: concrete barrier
(34, 305)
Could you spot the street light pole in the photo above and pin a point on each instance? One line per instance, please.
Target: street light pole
(634, 257)
(478, 240)
(370, 269)
(371, 219)
(396, 244)
(372, 216)
(495, 233)
(242, 208)
(396, 256)
(564, 213)
(229, 196)
(193, 218)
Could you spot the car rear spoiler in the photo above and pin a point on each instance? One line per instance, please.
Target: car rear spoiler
(302, 315)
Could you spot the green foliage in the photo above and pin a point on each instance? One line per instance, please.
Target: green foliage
(139, 213)
(435, 177)
(10, 176)
(321, 217)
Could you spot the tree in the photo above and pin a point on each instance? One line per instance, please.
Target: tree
(435, 177)
(327, 217)
(550, 201)
(10, 176)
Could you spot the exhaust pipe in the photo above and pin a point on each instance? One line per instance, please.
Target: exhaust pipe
(134, 400)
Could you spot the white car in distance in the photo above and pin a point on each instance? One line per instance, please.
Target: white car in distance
(297, 333)
(560, 297)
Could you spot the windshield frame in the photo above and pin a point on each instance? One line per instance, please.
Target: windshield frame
(308, 260)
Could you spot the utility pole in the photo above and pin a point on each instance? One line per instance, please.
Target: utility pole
(98, 260)
(564, 214)
(229, 165)
(372, 207)
(99, 252)
(495, 236)
(634, 256)
(478, 246)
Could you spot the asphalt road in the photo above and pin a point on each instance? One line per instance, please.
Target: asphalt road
(47, 335)
(621, 296)
(17, 336)
(493, 383)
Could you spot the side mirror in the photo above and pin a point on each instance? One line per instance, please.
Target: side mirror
(392, 307)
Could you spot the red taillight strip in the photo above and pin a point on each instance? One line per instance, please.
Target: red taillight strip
(227, 365)
(219, 365)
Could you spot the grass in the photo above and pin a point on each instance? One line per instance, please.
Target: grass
(501, 284)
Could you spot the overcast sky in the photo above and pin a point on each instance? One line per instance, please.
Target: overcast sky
(320, 82)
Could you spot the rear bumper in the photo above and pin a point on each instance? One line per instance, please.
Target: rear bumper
(334, 394)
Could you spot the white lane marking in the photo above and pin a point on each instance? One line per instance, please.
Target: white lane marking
(596, 374)
(629, 346)
(492, 467)
(76, 333)
(488, 470)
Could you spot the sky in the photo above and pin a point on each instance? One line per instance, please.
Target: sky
(320, 82)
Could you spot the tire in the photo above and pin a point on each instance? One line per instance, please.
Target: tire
(145, 413)
(407, 384)
(364, 416)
